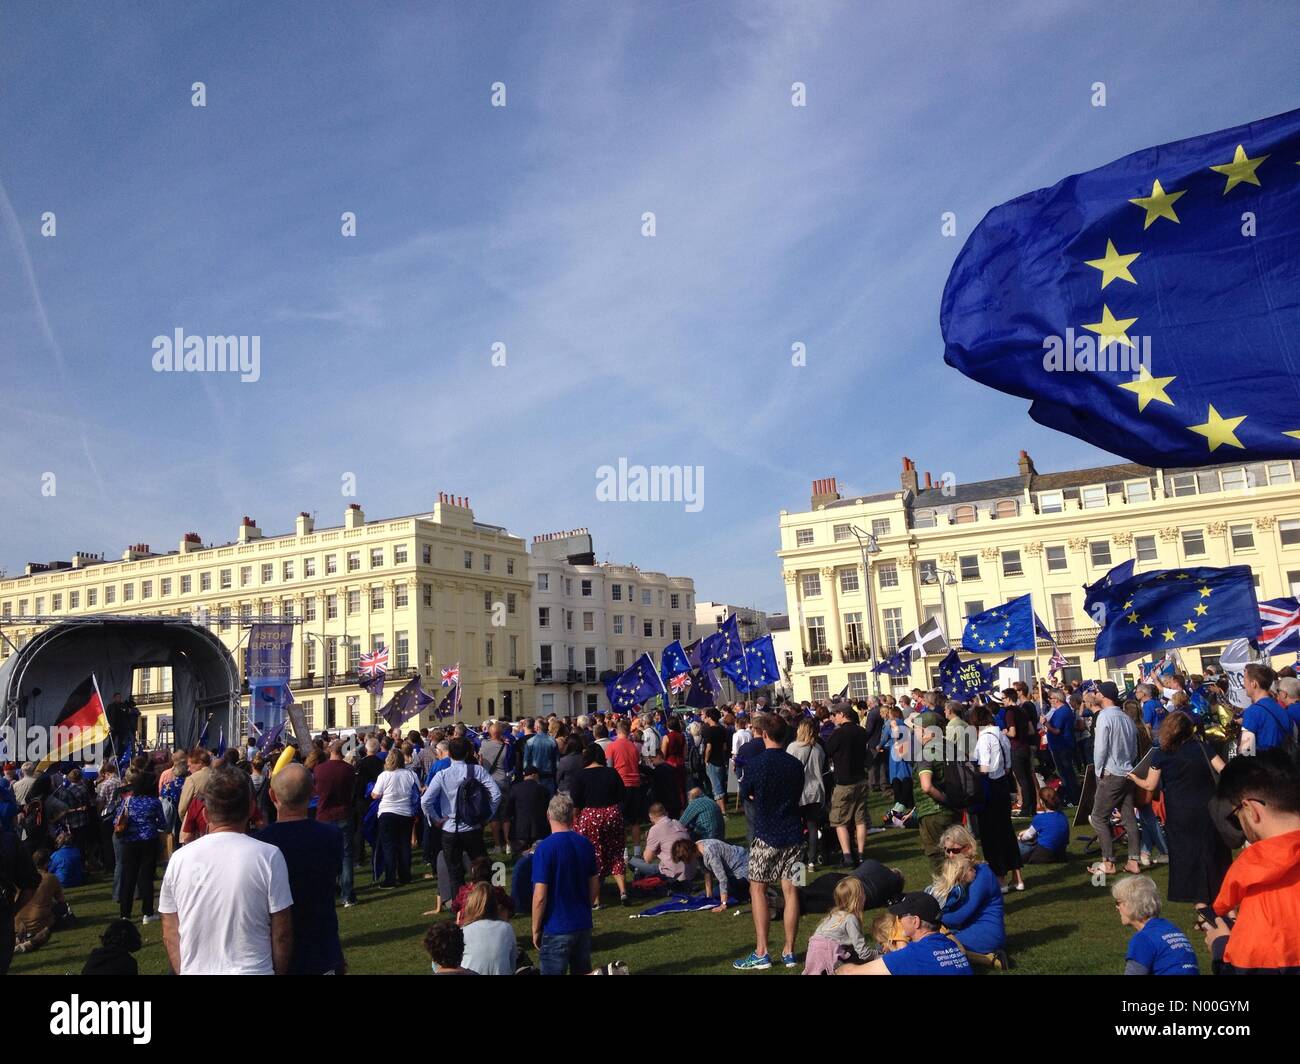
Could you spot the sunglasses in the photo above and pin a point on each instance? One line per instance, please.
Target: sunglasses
(954, 849)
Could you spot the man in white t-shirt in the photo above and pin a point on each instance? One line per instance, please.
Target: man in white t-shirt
(225, 900)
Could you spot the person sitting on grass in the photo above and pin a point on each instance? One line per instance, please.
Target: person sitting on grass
(722, 861)
(480, 871)
(972, 909)
(1158, 947)
(490, 946)
(702, 818)
(658, 858)
(838, 938)
(1048, 835)
(37, 919)
(445, 944)
(927, 951)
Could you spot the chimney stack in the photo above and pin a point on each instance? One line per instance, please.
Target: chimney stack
(928, 482)
(909, 479)
(823, 491)
(354, 516)
(248, 530)
(304, 525)
(190, 542)
(1026, 465)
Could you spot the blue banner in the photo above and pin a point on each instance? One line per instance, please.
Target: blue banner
(266, 668)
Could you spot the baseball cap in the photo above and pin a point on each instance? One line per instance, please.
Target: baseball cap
(917, 903)
(1107, 689)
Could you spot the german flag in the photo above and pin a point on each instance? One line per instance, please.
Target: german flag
(82, 723)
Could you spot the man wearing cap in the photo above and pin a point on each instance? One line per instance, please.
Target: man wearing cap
(928, 952)
(1114, 748)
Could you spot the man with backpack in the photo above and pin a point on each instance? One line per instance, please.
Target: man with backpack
(461, 799)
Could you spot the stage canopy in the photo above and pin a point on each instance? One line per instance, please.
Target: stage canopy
(36, 680)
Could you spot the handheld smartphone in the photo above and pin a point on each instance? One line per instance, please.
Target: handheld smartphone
(1208, 916)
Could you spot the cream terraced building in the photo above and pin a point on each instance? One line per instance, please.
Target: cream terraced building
(592, 620)
(435, 588)
(888, 562)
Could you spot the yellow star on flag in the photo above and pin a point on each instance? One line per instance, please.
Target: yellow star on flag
(1111, 329)
(1189, 626)
(1147, 388)
(1160, 204)
(1114, 267)
(1205, 591)
(1219, 430)
(1170, 634)
(1241, 169)
(1147, 630)
(1132, 617)
(1295, 433)
(1201, 609)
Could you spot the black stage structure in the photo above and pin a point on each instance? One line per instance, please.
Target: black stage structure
(37, 678)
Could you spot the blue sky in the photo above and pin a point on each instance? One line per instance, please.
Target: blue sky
(522, 225)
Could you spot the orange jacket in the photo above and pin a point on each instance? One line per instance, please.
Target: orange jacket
(1263, 885)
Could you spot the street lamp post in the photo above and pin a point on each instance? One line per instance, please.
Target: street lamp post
(868, 545)
(944, 578)
(326, 641)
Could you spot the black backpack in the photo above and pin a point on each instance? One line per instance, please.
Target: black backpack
(963, 786)
(472, 806)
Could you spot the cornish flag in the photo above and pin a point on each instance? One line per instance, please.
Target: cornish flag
(451, 675)
(927, 639)
(1281, 620)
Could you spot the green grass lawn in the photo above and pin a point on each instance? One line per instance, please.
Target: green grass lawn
(1060, 924)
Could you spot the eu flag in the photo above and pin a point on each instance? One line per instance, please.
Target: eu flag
(737, 673)
(1101, 593)
(760, 662)
(673, 661)
(898, 665)
(962, 679)
(723, 645)
(638, 684)
(1151, 306)
(700, 694)
(1006, 627)
(1154, 612)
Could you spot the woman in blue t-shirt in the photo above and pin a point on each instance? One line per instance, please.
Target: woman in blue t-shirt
(1158, 947)
(971, 897)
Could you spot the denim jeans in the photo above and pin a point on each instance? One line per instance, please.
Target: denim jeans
(1153, 838)
(346, 889)
(1064, 758)
(717, 780)
(566, 954)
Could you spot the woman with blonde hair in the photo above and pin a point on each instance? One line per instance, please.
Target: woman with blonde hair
(838, 938)
(398, 792)
(807, 749)
(490, 946)
(971, 897)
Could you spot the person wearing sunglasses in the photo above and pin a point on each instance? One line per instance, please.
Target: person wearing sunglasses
(1256, 917)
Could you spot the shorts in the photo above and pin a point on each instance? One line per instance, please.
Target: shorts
(849, 804)
(717, 780)
(771, 864)
(504, 786)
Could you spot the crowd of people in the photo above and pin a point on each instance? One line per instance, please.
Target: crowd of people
(261, 846)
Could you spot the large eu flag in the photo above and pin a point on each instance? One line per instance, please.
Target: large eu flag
(1154, 612)
(1006, 627)
(723, 645)
(760, 662)
(1150, 306)
(1101, 593)
(638, 684)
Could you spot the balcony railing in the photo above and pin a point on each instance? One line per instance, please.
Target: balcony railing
(817, 657)
(856, 653)
(545, 675)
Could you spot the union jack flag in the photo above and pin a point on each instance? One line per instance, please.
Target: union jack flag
(375, 663)
(451, 675)
(1281, 620)
(1056, 664)
(679, 683)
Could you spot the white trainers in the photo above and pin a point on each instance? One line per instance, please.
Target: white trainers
(148, 919)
